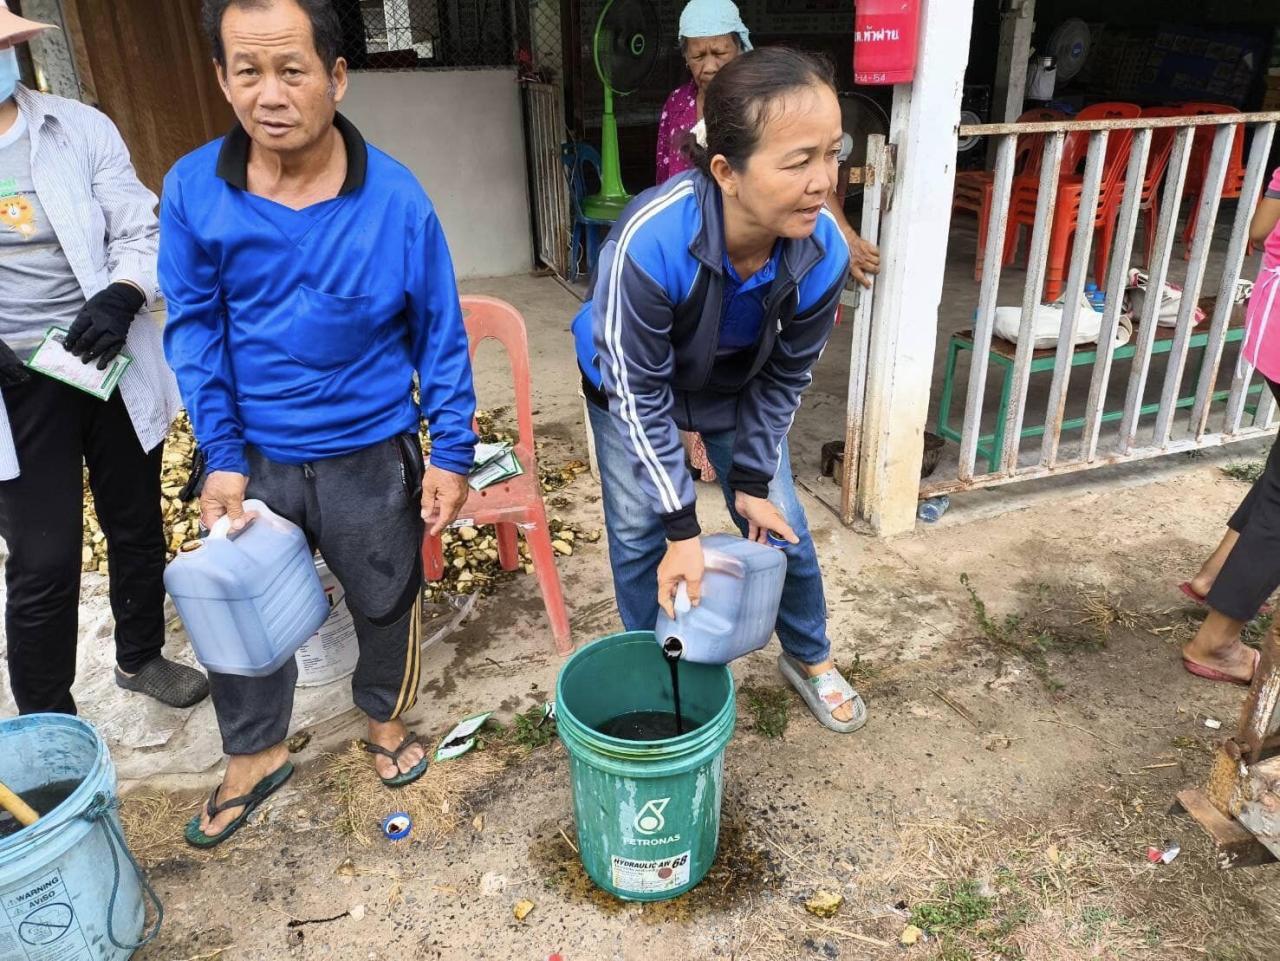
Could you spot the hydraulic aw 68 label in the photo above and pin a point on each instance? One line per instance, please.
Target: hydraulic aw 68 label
(651, 877)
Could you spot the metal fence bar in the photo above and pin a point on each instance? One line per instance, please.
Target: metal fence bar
(1137, 123)
(1082, 245)
(1158, 270)
(1206, 219)
(861, 349)
(988, 298)
(1266, 411)
(1038, 471)
(1046, 199)
(1117, 273)
(1224, 306)
(1241, 381)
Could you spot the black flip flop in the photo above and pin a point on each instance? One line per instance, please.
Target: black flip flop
(261, 791)
(404, 777)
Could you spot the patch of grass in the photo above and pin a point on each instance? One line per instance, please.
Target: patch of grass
(1246, 471)
(1014, 636)
(953, 906)
(528, 730)
(768, 707)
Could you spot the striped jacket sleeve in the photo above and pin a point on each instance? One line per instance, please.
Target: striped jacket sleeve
(632, 317)
(133, 232)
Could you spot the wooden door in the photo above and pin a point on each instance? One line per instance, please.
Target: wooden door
(146, 64)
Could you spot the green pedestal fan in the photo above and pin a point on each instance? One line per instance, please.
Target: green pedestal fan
(625, 49)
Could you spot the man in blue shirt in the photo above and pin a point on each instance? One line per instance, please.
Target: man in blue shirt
(308, 282)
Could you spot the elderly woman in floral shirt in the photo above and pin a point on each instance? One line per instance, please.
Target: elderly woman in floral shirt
(711, 34)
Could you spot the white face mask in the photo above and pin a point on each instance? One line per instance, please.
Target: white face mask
(8, 73)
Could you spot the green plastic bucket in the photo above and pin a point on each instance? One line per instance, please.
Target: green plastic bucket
(648, 812)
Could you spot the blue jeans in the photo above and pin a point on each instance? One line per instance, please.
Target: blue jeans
(637, 541)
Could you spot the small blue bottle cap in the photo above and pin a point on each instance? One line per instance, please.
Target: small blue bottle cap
(396, 826)
(777, 541)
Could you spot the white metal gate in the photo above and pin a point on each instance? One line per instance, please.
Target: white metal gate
(549, 182)
(1215, 414)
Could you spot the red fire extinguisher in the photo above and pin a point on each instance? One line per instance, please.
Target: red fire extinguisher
(885, 35)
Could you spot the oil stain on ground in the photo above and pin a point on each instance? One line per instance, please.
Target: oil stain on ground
(743, 867)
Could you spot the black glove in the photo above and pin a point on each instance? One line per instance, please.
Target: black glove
(103, 324)
(12, 371)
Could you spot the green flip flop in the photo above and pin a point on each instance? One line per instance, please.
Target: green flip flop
(405, 777)
(261, 791)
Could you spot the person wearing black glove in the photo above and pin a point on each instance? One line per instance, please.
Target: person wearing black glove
(79, 242)
(103, 323)
(12, 370)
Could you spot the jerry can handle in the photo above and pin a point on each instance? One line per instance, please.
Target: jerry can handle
(221, 529)
(683, 604)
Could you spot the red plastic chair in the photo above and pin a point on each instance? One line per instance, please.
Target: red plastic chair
(1026, 191)
(1198, 167)
(974, 188)
(1157, 164)
(514, 505)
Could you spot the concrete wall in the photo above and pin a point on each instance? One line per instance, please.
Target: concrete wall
(460, 132)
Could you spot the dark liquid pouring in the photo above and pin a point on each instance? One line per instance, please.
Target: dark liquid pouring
(672, 650)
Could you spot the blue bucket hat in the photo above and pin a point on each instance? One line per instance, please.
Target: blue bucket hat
(713, 18)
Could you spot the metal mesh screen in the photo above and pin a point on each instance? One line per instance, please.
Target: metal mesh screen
(426, 34)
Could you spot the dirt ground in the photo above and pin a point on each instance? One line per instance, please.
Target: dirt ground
(1025, 741)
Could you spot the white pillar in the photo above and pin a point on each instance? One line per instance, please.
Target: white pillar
(1016, 26)
(913, 244)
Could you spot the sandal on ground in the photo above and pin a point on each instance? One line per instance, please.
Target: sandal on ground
(824, 694)
(1203, 601)
(1213, 674)
(404, 777)
(261, 791)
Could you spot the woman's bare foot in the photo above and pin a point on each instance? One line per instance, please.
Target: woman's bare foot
(391, 734)
(1217, 645)
(244, 771)
(844, 712)
(1202, 583)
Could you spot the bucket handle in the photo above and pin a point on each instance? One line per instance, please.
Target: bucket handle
(100, 808)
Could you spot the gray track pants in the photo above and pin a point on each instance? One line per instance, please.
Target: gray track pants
(362, 512)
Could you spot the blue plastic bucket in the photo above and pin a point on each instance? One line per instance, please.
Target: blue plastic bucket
(69, 889)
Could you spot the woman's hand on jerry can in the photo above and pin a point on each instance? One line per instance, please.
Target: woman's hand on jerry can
(682, 562)
(762, 519)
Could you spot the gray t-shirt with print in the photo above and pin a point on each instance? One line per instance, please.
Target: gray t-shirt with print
(39, 287)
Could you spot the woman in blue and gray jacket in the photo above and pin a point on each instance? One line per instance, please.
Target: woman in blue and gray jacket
(713, 299)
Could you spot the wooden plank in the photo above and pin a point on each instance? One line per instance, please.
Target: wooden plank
(1236, 846)
(1258, 717)
(856, 400)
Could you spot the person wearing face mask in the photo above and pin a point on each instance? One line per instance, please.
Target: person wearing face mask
(78, 238)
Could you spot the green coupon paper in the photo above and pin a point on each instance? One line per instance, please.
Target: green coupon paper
(52, 359)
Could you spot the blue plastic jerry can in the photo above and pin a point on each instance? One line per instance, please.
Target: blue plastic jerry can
(249, 598)
(741, 588)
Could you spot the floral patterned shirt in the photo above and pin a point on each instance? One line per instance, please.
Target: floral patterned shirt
(679, 114)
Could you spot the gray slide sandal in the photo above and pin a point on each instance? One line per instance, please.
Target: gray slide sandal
(824, 694)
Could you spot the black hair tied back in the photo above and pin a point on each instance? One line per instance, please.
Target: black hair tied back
(738, 99)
